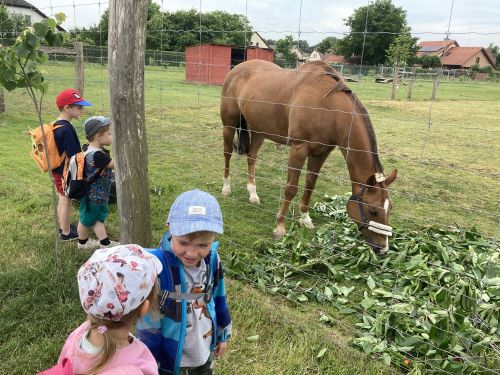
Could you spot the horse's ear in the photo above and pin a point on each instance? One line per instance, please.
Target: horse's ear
(390, 179)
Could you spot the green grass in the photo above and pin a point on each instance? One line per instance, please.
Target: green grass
(448, 174)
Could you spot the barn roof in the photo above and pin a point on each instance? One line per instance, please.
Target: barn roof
(460, 55)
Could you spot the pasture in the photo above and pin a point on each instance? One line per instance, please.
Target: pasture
(446, 152)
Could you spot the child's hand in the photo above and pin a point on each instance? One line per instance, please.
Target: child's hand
(220, 349)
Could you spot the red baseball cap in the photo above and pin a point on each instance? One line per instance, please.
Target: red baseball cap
(70, 96)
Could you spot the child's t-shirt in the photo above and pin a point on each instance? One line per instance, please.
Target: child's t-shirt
(196, 350)
(135, 356)
(97, 159)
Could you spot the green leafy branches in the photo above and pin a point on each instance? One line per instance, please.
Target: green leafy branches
(19, 62)
(430, 305)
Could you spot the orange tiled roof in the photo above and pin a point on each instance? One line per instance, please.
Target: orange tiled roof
(460, 55)
(331, 59)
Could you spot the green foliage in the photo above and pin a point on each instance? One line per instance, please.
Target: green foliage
(495, 50)
(328, 44)
(284, 47)
(10, 25)
(485, 69)
(174, 31)
(432, 303)
(427, 61)
(380, 16)
(19, 62)
(401, 50)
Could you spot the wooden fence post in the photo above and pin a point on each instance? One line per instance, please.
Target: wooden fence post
(436, 84)
(394, 82)
(410, 83)
(2, 102)
(126, 52)
(79, 67)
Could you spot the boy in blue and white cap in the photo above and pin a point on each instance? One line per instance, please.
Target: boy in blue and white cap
(195, 323)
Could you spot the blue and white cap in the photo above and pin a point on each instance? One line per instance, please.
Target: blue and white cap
(195, 211)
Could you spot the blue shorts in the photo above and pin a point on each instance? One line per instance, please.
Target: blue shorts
(92, 213)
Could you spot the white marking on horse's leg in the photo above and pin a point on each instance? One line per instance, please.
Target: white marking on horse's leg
(226, 187)
(305, 220)
(252, 190)
(279, 231)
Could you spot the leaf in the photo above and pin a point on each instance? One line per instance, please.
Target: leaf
(303, 298)
(370, 282)
(386, 358)
(328, 293)
(23, 50)
(252, 338)
(321, 353)
(41, 29)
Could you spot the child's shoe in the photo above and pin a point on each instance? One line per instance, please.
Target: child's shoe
(111, 244)
(89, 245)
(71, 236)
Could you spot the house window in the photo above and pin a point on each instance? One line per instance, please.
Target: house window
(477, 60)
(257, 44)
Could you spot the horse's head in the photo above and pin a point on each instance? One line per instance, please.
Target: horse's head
(370, 208)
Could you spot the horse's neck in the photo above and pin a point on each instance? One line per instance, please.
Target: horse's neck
(359, 156)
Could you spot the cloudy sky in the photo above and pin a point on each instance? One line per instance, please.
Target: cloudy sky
(473, 23)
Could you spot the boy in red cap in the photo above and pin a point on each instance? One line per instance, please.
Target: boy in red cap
(70, 104)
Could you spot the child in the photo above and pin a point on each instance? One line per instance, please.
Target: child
(98, 164)
(70, 104)
(117, 286)
(195, 323)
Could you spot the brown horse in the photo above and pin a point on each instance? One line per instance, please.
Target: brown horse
(312, 110)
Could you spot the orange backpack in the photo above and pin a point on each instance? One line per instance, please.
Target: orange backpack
(38, 151)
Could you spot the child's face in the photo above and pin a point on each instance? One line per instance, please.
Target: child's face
(104, 139)
(74, 111)
(191, 250)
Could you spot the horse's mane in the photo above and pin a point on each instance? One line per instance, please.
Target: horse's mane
(340, 86)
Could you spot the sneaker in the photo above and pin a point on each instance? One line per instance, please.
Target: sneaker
(73, 235)
(72, 228)
(89, 245)
(111, 244)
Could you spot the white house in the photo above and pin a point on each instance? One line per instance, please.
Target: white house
(31, 13)
(258, 41)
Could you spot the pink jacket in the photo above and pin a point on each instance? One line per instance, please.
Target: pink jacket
(131, 360)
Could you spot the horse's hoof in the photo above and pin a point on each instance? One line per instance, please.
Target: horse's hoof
(226, 192)
(306, 222)
(277, 234)
(254, 199)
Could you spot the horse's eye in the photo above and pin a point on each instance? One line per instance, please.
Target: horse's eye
(373, 212)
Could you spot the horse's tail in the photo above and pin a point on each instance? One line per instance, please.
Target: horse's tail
(241, 141)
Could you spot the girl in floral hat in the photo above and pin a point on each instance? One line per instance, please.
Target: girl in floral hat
(117, 286)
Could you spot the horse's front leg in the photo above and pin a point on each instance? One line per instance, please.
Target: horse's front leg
(314, 164)
(255, 143)
(296, 160)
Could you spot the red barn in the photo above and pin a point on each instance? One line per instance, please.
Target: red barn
(210, 63)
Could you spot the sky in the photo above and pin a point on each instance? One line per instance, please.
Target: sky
(473, 23)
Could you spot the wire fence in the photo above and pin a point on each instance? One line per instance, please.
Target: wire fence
(446, 156)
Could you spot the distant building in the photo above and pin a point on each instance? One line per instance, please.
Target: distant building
(327, 58)
(455, 57)
(31, 13)
(299, 54)
(258, 41)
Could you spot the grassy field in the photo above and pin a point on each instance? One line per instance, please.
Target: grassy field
(448, 175)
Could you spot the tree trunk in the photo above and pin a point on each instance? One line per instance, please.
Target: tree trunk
(2, 101)
(127, 38)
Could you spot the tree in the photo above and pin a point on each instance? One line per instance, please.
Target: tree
(495, 50)
(303, 45)
(328, 44)
(383, 21)
(284, 47)
(401, 50)
(174, 31)
(428, 61)
(19, 68)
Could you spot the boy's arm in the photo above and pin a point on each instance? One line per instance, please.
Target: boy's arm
(148, 331)
(66, 141)
(222, 313)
